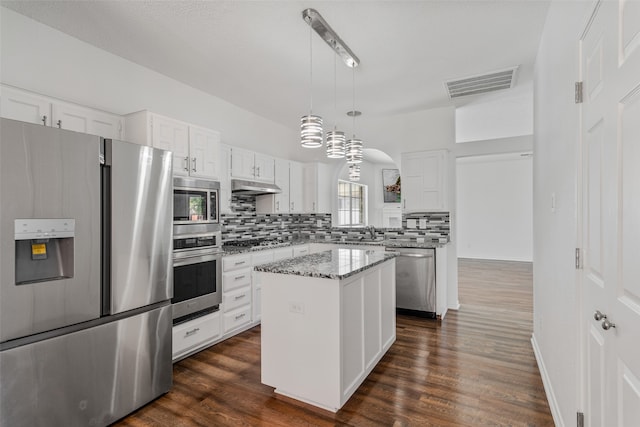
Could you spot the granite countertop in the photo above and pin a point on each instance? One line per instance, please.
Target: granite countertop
(332, 264)
(389, 243)
(233, 250)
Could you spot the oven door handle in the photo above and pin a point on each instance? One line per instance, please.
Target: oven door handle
(190, 260)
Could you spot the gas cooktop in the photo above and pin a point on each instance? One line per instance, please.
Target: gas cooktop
(257, 244)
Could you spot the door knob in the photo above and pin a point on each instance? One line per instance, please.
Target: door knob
(606, 325)
(599, 316)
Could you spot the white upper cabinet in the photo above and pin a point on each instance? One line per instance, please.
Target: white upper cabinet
(281, 200)
(265, 168)
(25, 106)
(424, 181)
(196, 150)
(316, 193)
(225, 181)
(296, 186)
(204, 147)
(242, 163)
(30, 107)
(246, 164)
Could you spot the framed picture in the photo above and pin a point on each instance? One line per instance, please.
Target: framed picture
(391, 185)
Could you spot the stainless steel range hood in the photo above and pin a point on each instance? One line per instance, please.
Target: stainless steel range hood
(240, 186)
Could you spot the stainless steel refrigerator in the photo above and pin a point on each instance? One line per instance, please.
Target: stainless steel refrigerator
(85, 276)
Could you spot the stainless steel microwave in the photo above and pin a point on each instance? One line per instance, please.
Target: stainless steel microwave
(195, 201)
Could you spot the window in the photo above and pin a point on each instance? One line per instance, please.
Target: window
(352, 200)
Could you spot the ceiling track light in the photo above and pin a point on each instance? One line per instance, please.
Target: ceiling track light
(320, 26)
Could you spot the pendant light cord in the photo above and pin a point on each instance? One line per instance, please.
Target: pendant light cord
(310, 70)
(335, 93)
(353, 111)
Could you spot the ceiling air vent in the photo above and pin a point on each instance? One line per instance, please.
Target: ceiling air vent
(482, 83)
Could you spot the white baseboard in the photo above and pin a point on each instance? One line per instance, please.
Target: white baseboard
(551, 397)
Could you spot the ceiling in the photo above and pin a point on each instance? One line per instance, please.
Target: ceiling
(255, 54)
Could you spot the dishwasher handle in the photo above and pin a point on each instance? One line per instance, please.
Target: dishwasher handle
(417, 255)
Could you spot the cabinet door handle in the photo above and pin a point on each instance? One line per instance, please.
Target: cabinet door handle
(186, 164)
(194, 164)
(191, 332)
(277, 205)
(313, 206)
(240, 316)
(239, 262)
(240, 277)
(258, 174)
(44, 120)
(292, 206)
(240, 297)
(59, 124)
(404, 203)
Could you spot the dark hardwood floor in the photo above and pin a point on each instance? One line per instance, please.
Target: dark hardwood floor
(474, 368)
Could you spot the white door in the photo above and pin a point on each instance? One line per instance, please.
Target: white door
(86, 120)
(204, 148)
(24, 106)
(296, 184)
(610, 278)
(282, 181)
(172, 135)
(422, 181)
(242, 163)
(265, 168)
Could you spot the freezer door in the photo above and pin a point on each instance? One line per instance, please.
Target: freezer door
(141, 225)
(91, 377)
(51, 176)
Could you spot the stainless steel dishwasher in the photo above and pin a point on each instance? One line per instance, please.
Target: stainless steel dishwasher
(416, 281)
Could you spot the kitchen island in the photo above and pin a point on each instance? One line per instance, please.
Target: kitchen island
(327, 320)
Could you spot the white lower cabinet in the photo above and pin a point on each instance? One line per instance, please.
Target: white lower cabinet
(194, 334)
(241, 302)
(262, 257)
(237, 298)
(236, 318)
(236, 291)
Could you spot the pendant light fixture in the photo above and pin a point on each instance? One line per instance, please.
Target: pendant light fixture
(335, 139)
(354, 145)
(311, 125)
(354, 172)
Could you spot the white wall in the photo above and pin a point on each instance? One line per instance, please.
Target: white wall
(501, 114)
(495, 212)
(41, 59)
(556, 124)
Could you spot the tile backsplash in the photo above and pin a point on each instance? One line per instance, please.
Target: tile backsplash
(245, 223)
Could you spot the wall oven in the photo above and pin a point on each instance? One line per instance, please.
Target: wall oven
(195, 201)
(197, 270)
(197, 248)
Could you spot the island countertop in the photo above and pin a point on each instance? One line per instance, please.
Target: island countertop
(332, 264)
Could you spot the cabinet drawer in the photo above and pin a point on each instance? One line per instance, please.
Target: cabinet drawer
(237, 298)
(189, 335)
(237, 318)
(236, 279)
(236, 262)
